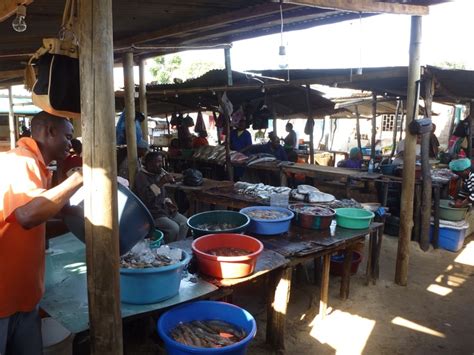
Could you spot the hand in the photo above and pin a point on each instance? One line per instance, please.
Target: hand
(460, 203)
(167, 179)
(171, 207)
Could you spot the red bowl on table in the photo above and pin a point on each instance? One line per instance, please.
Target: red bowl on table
(226, 267)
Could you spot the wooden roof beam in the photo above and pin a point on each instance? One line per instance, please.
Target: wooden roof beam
(368, 6)
(8, 7)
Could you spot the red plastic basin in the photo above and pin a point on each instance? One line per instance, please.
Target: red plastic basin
(226, 267)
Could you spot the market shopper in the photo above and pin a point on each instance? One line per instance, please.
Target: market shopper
(291, 140)
(149, 188)
(462, 168)
(240, 138)
(121, 132)
(26, 203)
(355, 160)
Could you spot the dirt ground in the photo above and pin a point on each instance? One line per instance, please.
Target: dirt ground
(434, 314)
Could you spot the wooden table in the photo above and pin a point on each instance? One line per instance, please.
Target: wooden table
(65, 297)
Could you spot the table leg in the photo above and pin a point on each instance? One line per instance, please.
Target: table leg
(385, 193)
(323, 303)
(346, 274)
(278, 297)
(377, 254)
(317, 271)
(368, 271)
(417, 212)
(436, 194)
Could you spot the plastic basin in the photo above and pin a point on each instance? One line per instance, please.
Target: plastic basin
(354, 218)
(311, 220)
(206, 310)
(239, 220)
(151, 285)
(135, 221)
(156, 239)
(226, 267)
(388, 169)
(269, 226)
(449, 213)
(337, 263)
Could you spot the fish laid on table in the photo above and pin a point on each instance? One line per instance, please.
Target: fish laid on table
(207, 334)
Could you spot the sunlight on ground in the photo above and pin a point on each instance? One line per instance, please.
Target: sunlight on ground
(467, 255)
(439, 290)
(419, 328)
(346, 333)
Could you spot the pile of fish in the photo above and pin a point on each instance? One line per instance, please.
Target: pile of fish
(259, 190)
(442, 175)
(260, 158)
(266, 214)
(228, 251)
(310, 194)
(142, 256)
(207, 334)
(345, 203)
(216, 226)
(311, 210)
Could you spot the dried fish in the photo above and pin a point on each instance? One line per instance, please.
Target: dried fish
(207, 334)
(216, 226)
(228, 251)
(266, 214)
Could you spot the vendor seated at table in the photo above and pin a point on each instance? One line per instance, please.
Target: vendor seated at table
(401, 148)
(240, 138)
(355, 160)
(149, 188)
(272, 147)
(462, 168)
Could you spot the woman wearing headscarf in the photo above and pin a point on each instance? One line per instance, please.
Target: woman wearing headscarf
(354, 161)
(462, 168)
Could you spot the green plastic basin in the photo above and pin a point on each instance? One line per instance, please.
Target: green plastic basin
(354, 218)
(449, 213)
(238, 221)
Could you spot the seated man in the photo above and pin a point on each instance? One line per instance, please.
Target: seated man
(272, 147)
(149, 188)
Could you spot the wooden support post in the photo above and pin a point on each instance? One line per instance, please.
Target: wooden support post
(310, 117)
(132, 155)
(77, 124)
(230, 168)
(451, 123)
(100, 171)
(395, 125)
(436, 197)
(402, 121)
(426, 170)
(277, 305)
(374, 126)
(228, 66)
(323, 302)
(409, 158)
(143, 100)
(471, 133)
(11, 119)
(417, 213)
(272, 108)
(359, 144)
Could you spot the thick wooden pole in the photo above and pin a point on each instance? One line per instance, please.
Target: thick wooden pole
(130, 131)
(409, 157)
(77, 124)
(471, 133)
(402, 121)
(11, 119)
(426, 171)
(100, 172)
(359, 144)
(228, 67)
(395, 125)
(374, 125)
(143, 100)
(310, 118)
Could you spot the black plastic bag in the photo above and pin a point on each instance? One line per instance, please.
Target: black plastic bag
(192, 177)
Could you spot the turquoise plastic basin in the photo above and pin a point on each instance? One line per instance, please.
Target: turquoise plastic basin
(354, 218)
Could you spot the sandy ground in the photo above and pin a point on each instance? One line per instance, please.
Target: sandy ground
(434, 314)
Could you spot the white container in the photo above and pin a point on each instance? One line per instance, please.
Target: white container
(57, 340)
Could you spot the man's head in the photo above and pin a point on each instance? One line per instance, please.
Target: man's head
(153, 162)
(140, 117)
(461, 167)
(53, 135)
(242, 125)
(275, 142)
(289, 127)
(355, 153)
(76, 146)
(433, 128)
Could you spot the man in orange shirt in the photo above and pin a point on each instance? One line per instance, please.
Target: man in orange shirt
(26, 203)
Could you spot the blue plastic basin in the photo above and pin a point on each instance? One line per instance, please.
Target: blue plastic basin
(151, 285)
(135, 221)
(206, 310)
(268, 226)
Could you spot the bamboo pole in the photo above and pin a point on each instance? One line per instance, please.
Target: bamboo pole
(11, 119)
(409, 157)
(129, 83)
(310, 117)
(374, 126)
(359, 144)
(395, 125)
(100, 171)
(143, 100)
(426, 170)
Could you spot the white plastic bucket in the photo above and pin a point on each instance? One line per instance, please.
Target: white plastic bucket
(57, 340)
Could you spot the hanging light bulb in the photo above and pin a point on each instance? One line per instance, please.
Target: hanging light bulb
(282, 57)
(19, 23)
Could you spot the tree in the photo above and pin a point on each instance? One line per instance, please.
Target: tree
(164, 67)
(447, 64)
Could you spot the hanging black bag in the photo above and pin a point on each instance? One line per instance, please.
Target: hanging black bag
(56, 89)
